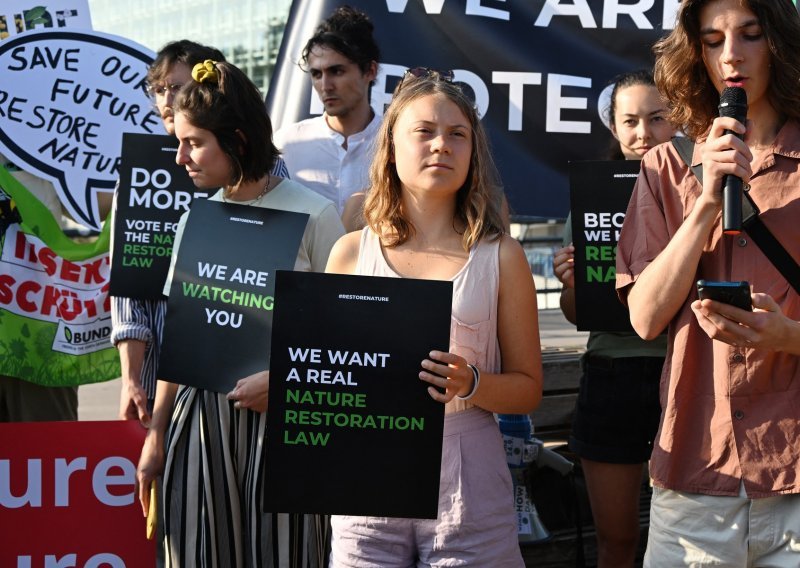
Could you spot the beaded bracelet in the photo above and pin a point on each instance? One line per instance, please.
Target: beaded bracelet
(476, 380)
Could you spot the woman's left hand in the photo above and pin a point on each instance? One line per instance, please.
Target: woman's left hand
(449, 372)
(251, 392)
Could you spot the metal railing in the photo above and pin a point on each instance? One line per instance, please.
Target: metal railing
(540, 238)
(539, 251)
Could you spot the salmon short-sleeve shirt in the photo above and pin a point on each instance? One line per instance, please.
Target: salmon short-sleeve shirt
(730, 415)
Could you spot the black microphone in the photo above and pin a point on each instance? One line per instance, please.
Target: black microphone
(732, 103)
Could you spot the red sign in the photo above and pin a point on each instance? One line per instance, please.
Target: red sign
(67, 495)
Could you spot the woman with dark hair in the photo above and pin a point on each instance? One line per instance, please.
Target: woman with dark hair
(137, 325)
(726, 460)
(617, 411)
(636, 115)
(432, 212)
(209, 446)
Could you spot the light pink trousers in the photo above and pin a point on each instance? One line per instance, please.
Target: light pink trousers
(476, 525)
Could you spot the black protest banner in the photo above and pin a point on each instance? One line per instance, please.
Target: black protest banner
(351, 428)
(599, 194)
(219, 311)
(538, 71)
(153, 193)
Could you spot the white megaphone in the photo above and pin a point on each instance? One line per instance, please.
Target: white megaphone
(545, 457)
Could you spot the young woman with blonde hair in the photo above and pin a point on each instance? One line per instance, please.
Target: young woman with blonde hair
(432, 212)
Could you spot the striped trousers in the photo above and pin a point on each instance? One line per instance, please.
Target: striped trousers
(213, 493)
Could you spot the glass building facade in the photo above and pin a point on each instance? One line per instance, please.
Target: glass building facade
(248, 32)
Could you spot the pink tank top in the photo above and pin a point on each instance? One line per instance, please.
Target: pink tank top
(473, 320)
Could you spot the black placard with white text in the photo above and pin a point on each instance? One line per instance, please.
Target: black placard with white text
(351, 428)
(599, 195)
(219, 311)
(153, 193)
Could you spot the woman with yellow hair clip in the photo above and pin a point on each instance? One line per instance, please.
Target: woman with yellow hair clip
(210, 446)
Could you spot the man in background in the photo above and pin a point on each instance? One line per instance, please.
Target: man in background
(331, 153)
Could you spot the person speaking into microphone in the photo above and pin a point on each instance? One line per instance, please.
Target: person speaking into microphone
(726, 460)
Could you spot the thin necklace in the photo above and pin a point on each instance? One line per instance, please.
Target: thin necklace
(255, 199)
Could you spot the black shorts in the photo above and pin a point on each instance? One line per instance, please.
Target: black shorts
(617, 412)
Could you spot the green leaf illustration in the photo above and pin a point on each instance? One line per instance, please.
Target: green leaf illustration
(34, 13)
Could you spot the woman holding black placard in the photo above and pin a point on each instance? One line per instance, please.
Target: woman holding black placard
(617, 412)
(432, 212)
(209, 446)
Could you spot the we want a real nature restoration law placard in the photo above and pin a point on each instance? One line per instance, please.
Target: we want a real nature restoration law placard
(351, 429)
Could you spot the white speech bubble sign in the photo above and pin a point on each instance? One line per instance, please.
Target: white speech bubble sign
(66, 98)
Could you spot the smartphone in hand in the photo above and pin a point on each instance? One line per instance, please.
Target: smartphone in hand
(733, 293)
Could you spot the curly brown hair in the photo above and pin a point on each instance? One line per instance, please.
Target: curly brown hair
(681, 75)
(477, 201)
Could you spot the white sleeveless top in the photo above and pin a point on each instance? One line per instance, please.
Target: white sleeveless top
(473, 319)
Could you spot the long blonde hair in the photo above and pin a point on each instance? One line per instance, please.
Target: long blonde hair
(477, 201)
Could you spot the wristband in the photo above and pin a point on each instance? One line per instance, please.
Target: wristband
(476, 380)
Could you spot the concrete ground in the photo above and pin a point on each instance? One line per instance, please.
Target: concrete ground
(99, 401)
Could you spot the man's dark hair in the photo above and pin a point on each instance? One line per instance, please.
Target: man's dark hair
(349, 32)
(182, 51)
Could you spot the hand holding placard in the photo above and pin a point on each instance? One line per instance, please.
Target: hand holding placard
(449, 372)
(251, 392)
(564, 266)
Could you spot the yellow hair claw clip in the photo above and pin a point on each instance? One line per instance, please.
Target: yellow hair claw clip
(206, 72)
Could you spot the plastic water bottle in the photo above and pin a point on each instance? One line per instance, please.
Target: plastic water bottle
(520, 451)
